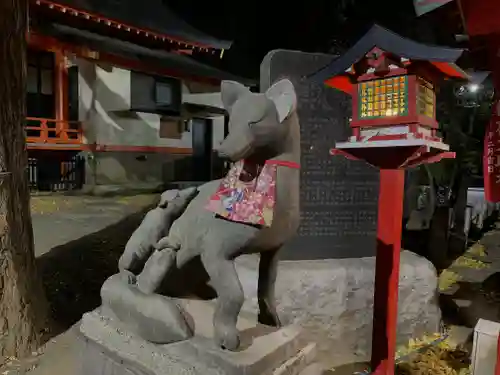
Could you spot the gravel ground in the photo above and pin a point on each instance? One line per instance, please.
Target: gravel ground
(58, 220)
(78, 241)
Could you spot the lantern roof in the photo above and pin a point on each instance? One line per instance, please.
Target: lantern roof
(442, 58)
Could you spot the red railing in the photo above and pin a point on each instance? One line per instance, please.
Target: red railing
(42, 130)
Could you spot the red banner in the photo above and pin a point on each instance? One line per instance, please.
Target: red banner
(481, 17)
(491, 156)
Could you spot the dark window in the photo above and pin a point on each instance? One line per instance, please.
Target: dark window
(153, 94)
(40, 84)
(163, 93)
(201, 132)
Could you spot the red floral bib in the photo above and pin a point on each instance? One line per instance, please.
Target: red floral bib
(248, 192)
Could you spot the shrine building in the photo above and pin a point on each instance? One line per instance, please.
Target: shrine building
(115, 97)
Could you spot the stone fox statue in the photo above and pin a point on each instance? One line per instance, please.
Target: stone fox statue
(263, 130)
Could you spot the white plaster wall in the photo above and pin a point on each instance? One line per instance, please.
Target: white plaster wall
(104, 90)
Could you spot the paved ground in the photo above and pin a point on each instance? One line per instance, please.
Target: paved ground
(60, 219)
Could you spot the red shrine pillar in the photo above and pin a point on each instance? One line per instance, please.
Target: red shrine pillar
(385, 307)
(61, 88)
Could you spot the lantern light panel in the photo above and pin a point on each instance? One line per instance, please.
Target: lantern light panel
(425, 98)
(383, 98)
(401, 106)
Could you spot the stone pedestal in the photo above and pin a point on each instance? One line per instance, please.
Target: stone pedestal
(107, 348)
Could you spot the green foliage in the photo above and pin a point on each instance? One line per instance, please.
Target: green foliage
(463, 129)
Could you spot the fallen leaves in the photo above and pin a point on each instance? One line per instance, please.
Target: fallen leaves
(437, 361)
(418, 344)
(447, 279)
(47, 204)
(465, 261)
(41, 205)
(432, 355)
(470, 258)
(477, 250)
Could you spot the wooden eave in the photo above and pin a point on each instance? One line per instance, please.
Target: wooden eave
(118, 25)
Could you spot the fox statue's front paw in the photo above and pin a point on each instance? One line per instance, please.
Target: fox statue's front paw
(268, 315)
(227, 338)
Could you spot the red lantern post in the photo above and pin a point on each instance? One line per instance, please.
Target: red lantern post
(392, 81)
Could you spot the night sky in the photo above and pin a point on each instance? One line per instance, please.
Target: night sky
(256, 27)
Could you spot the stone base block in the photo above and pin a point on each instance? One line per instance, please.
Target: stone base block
(332, 300)
(108, 349)
(299, 364)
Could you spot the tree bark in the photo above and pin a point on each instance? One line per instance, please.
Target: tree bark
(458, 237)
(23, 305)
(438, 238)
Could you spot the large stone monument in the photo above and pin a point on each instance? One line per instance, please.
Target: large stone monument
(338, 197)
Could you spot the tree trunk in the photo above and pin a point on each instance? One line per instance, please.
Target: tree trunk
(438, 238)
(22, 301)
(458, 237)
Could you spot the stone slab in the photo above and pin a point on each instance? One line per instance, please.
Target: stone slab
(485, 349)
(108, 349)
(338, 197)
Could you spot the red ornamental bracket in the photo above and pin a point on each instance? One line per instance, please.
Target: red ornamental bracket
(420, 156)
(428, 159)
